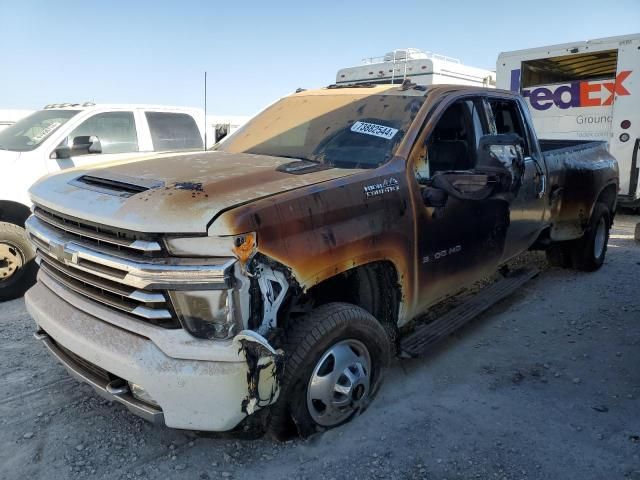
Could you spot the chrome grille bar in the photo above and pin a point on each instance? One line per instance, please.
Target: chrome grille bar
(149, 274)
(97, 234)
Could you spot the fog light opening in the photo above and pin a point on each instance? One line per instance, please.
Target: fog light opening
(139, 393)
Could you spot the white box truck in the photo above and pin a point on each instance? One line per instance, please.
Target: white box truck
(419, 66)
(584, 90)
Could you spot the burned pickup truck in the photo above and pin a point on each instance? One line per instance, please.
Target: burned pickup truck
(272, 277)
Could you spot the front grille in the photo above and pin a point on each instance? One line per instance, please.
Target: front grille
(105, 284)
(133, 283)
(150, 306)
(99, 235)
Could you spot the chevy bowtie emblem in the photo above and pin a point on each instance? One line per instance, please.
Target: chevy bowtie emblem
(60, 251)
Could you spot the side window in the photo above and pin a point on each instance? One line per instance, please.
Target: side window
(507, 119)
(173, 131)
(116, 131)
(452, 144)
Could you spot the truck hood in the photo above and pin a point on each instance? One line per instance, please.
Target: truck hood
(172, 193)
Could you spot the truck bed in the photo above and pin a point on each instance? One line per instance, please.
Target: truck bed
(548, 146)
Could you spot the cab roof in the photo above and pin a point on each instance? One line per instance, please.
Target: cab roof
(396, 89)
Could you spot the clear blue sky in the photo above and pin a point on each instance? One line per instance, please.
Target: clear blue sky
(256, 51)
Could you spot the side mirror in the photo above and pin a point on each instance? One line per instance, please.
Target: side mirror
(465, 186)
(82, 145)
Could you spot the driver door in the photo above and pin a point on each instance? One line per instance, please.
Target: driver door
(461, 241)
(116, 132)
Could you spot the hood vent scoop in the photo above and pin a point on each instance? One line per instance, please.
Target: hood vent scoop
(113, 184)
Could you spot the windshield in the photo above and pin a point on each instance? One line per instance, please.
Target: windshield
(31, 131)
(344, 130)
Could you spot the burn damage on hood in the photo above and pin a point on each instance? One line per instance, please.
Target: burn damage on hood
(178, 193)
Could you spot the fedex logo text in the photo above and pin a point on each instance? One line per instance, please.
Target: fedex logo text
(575, 94)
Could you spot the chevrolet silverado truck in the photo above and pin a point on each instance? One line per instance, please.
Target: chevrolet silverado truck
(272, 277)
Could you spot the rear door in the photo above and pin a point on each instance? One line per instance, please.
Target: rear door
(172, 131)
(624, 144)
(507, 115)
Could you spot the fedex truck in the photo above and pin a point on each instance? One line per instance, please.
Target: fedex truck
(584, 90)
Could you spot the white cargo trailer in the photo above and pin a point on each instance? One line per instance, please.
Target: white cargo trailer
(584, 90)
(421, 67)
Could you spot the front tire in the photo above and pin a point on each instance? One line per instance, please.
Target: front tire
(335, 357)
(18, 269)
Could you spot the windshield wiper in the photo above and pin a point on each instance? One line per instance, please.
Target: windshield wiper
(301, 159)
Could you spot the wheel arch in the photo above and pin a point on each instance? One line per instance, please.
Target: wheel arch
(373, 286)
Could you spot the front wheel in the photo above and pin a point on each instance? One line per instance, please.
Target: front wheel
(335, 360)
(17, 265)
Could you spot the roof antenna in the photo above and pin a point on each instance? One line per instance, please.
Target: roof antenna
(205, 111)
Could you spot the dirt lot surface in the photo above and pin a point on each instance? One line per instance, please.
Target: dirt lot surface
(546, 385)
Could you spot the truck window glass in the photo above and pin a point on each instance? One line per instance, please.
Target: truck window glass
(173, 131)
(116, 131)
(31, 131)
(338, 129)
(507, 118)
(452, 143)
(569, 68)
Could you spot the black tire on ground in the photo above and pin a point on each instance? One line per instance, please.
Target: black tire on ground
(588, 252)
(18, 268)
(307, 340)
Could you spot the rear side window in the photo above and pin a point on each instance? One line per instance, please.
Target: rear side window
(507, 119)
(173, 131)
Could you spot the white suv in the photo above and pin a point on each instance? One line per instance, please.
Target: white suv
(68, 135)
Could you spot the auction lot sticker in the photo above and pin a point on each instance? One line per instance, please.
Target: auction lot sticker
(374, 129)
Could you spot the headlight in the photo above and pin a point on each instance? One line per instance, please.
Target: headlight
(241, 246)
(206, 313)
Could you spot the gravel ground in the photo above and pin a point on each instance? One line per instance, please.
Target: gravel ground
(545, 385)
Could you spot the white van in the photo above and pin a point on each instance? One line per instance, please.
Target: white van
(584, 90)
(67, 135)
(419, 66)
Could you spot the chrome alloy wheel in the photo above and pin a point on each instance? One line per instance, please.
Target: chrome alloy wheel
(600, 238)
(340, 383)
(11, 261)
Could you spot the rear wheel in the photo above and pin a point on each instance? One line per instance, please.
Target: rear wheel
(589, 252)
(17, 265)
(335, 359)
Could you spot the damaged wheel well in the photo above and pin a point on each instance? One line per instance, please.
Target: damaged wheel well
(373, 286)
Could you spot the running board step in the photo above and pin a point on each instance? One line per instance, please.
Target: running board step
(419, 341)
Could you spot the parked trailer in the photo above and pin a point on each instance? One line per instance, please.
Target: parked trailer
(421, 67)
(584, 91)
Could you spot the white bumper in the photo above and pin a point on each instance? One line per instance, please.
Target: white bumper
(212, 394)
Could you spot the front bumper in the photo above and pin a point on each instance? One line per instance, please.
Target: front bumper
(198, 384)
